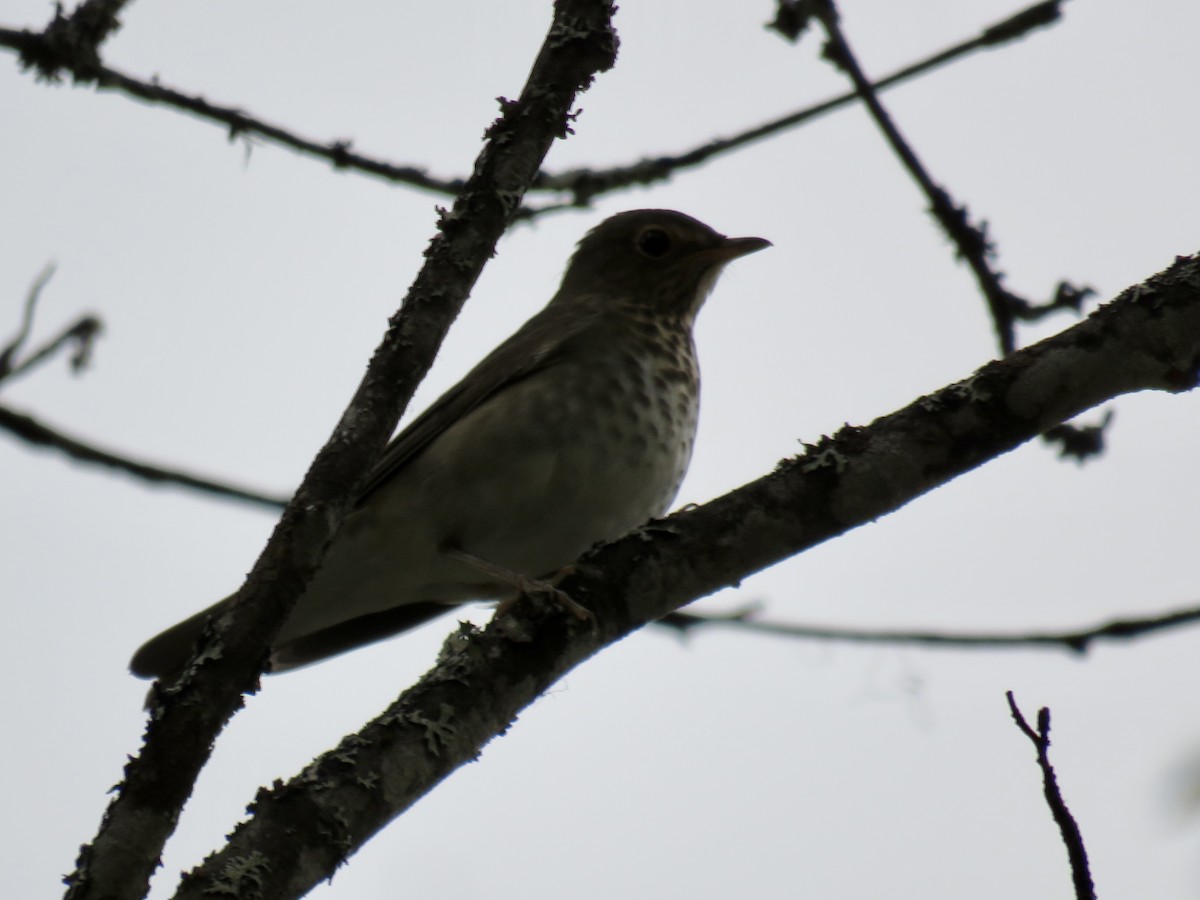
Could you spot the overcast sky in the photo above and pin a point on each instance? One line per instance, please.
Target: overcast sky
(243, 289)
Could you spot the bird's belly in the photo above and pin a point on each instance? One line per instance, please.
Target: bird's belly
(578, 475)
(528, 485)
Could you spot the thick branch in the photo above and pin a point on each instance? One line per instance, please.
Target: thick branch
(118, 864)
(1149, 339)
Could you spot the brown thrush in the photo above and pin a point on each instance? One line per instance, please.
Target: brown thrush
(575, 430)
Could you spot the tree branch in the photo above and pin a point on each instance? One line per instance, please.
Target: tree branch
(973, 243)
(183, 726)
(82, 334)
(300, 831)
(583, 185)
(1067, 827)
(586, 184)
(1077, 641)
(972, 240)
(34, 432)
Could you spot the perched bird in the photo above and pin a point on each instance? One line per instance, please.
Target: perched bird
(575, 430)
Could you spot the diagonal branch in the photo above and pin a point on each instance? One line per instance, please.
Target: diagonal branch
(301, 830)
(82, 334)
(34, 432)
(583, 185)
(1080, 873)
(586, 184)
(190, 714)
(971, 239)
(8, 355)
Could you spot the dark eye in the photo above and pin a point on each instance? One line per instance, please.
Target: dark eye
(654, 242)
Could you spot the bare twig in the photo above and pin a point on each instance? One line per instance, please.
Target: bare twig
(1077, 641)
(585, 184)
(50, 60)
(582, 185)
(9, 353)
(1067, 826)
(81, 334)
(34, 432)
(972, 241)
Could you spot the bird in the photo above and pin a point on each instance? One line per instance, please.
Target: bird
(574, 431)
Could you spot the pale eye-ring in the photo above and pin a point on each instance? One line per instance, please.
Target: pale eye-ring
(654, 242)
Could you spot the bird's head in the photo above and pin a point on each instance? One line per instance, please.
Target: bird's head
(663, 259)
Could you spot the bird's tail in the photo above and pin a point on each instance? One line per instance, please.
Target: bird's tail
(167, 653)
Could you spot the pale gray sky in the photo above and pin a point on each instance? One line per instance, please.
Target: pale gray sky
(242, 294)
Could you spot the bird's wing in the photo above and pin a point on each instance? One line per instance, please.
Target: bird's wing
(539, 344)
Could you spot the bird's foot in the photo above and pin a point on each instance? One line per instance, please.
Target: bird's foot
(524, 585)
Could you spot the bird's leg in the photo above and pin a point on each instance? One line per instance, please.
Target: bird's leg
(522, 584)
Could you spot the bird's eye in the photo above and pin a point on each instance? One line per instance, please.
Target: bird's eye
(654, 243)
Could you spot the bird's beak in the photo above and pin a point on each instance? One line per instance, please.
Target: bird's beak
(732, 248)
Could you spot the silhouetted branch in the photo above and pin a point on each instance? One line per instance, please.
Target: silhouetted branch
(582, 185)
(9, 353)
(1077, 641)
(1067, 827)
(585, 184)
(81, 334)
(972, 240)
(34, 432)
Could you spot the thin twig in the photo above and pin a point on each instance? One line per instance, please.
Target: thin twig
(585, 184)
(582, 185)
(1077, 641)
(51, 60)
(34, 432)
(9, 354)
(972, 241)
(81, 334)
(1067, 826)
